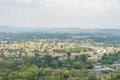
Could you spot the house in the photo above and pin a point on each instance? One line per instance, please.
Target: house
(99, 69)
(116, 66)
(67, 67)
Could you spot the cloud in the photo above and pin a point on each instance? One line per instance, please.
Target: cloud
(26, 1)
(60, 12)
(81, 6)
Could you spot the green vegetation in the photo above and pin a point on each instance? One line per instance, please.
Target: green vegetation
(44, 67)
(110, 58)
(59, 56)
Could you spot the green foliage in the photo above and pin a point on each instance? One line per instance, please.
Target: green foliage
(83, 57)
(25, 68)
(59, 50)
(2, 55)
(110, 58)
(92, 77)
(48, 59)
(116, 77)
(78, 65)
(73, 50)
(68, 54)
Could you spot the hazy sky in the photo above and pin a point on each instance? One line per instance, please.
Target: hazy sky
(60, 13)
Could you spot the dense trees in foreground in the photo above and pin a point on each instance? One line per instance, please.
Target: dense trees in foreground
(45, 68)
(51, 68)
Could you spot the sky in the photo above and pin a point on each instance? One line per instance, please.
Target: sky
(60, 13)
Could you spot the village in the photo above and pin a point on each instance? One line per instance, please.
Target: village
(56, 48)
(59, 49)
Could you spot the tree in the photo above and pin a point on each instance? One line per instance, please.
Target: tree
(37, 59)
(48, 59)
(78, 65)
(83, 57)
(92, 77)
(89, 65)
(2, 55)
(116, 77)
(68, 54)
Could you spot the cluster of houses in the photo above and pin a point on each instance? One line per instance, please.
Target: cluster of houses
(98, 69)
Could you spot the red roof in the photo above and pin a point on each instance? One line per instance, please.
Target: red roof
(1, 59)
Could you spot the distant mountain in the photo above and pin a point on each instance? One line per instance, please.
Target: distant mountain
(67, 30)
(78, 30)
(57, 30)
(15, 29)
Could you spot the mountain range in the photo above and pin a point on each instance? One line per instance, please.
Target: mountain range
(56, 30)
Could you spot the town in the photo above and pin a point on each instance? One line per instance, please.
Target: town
(65, 52)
